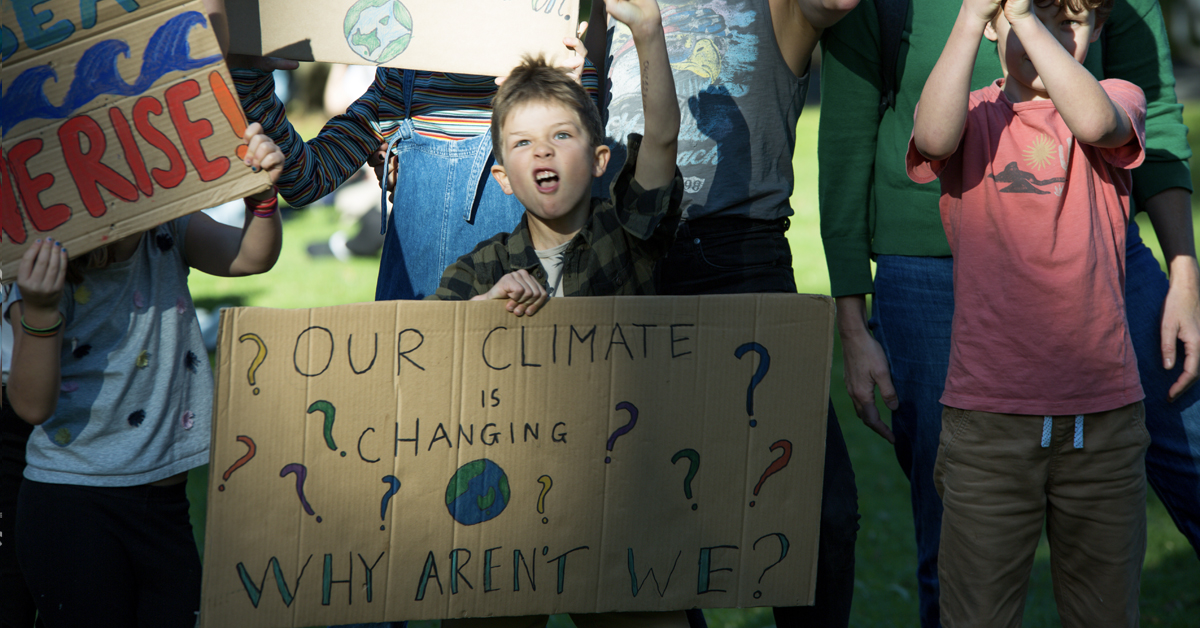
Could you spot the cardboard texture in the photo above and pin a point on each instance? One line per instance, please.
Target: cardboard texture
(424, 460)
(486, 37)
(116, 116)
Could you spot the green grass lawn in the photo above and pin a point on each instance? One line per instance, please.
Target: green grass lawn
(885, 585)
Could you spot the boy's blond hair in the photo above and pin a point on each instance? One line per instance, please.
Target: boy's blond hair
(535, 80)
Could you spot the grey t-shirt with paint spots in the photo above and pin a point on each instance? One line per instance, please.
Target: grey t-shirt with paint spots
(136, 399)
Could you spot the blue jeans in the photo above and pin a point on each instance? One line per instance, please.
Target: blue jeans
(1173, 460)
(911, 316)
(732, 256)
(912, 312)
(446, 202)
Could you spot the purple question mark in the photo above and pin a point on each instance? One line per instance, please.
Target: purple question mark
(301, 474)
(621, 431)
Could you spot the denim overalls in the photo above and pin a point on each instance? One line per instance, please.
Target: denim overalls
(446, 202)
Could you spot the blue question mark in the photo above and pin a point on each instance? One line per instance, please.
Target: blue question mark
(764, 364)
(395, 486)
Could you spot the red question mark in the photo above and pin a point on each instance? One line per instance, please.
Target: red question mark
(240, 461)
(780, 462)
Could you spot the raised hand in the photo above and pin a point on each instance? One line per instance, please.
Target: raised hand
(1016, 10)
(262, 153)
(40, 278)
(641, 16)
(984, 10)
(573, 63)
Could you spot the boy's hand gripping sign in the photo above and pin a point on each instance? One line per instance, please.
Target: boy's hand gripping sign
(116, 115)
(424, 460)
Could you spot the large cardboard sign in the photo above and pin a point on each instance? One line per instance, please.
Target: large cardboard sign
(485, 37)
(116, 116)
(422, 460)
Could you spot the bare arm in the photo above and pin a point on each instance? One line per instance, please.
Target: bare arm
(224, 251)
(656, 159)
(1171, 213)
(942, 113)
(822, 14)
(1085, 107)
(865, 365)
(796, 33)
(851, 88)
(35, 374)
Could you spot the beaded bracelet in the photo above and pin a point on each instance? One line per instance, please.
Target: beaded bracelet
(47, 332)
(267, 208)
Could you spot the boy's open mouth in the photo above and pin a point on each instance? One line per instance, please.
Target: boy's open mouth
(546, 179)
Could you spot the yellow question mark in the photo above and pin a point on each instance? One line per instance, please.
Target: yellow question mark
(546, 483)
(258, 359)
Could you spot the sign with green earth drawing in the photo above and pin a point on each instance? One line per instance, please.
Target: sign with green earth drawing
(378, 30)
(483, 37)
(478, 492)
(430, 460)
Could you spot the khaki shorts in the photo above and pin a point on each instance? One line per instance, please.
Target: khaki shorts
(1001, 478)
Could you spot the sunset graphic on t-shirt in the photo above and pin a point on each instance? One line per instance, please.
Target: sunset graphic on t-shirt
(1039, 154)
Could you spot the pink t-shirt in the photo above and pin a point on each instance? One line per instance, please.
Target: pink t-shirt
(1036, 222)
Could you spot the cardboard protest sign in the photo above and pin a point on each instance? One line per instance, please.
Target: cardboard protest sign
(422, 460)
(116, 116)
(486, 37)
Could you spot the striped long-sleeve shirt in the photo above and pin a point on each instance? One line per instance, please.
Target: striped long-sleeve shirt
(445, 106)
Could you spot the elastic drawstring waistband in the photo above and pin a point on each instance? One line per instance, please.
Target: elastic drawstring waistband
(1047, 424)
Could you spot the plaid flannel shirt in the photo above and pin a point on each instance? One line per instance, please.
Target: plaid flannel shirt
(614, 253)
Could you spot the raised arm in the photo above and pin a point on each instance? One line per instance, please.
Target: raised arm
(35, 371)
(795, 32)
(317, 167)
(1084, 106)
(824, 13)
(942, 113)
(225, 251)
(656, 159)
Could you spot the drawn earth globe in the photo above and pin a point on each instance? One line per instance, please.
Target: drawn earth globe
(477, 492)
(378, 30)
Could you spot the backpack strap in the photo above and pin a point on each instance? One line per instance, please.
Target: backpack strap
(892, 14)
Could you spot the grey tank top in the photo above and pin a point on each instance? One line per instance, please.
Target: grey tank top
(738, 103)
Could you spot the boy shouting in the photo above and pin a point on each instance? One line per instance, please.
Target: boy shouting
(548, 141)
